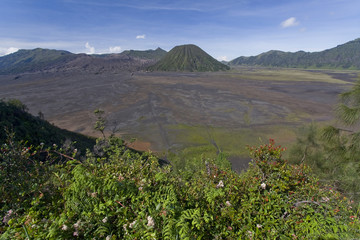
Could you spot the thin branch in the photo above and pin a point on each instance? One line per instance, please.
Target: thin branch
(120, 203)
(303, 158)
(125, 207)
(63, 155)
(345, 130)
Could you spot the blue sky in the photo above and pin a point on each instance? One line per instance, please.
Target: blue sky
(225, 29)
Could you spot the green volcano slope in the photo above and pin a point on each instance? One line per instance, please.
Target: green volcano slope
(188, 58)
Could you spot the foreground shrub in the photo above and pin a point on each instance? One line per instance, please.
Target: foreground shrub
(121, 194)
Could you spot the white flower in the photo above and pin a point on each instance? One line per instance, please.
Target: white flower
(131, 225)
(7, 216)
(140, 188)
(105, 220)
(263, 186)
(228, 203)
(325, 199)
(75, 233)
(108, 237)
(151, 222)
(64, 227)
(220, 184)
(258, 225)
(77, 224)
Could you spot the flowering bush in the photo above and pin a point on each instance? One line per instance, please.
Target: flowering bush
(121, 194)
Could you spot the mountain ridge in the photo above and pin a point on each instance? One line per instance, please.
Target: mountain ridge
(51, 60)
(30, 60)
(343, 56)
(156, 54)
(187, 57)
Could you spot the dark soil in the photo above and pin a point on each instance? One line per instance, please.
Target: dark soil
(144, 105)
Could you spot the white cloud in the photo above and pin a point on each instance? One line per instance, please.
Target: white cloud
(115, 49)
(91, 50)
(6, 51)
(290, 22)
(223, 58)
(140, 36)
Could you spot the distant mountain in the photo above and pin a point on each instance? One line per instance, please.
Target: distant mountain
(345, 56)
(46, 60)
(156, 54)
(189, 58)
(32, 60)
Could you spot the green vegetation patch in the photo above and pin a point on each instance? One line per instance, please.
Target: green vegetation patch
(284, 75)
(231, 141)
(118, 194)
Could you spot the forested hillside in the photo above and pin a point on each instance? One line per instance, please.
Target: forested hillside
(33, 60)
(345, 56)
(15, 119)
